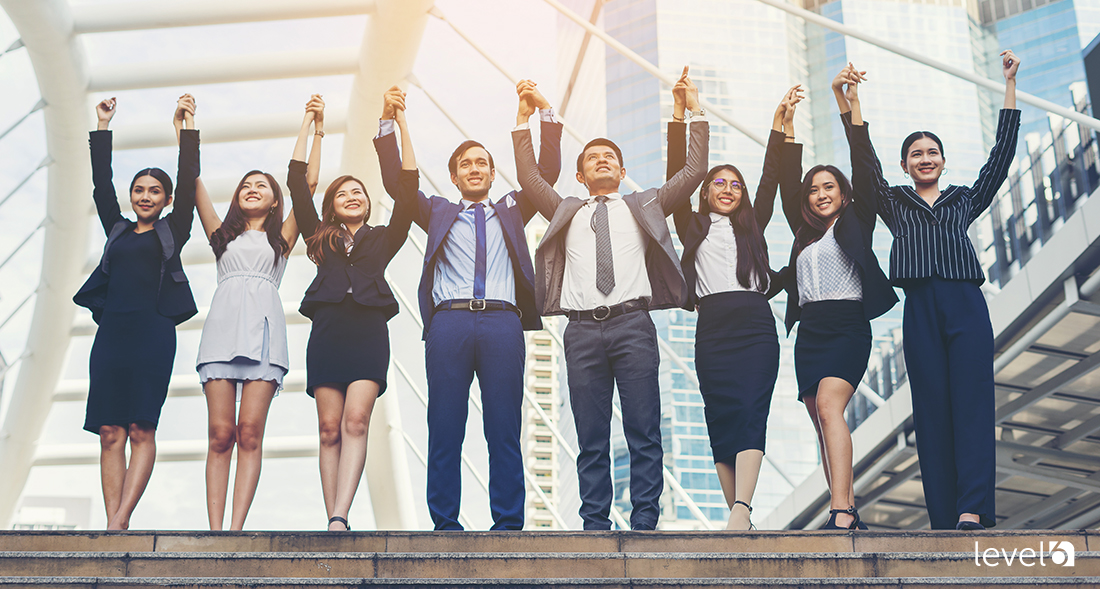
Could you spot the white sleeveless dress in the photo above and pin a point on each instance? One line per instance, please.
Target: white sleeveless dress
(244, 336)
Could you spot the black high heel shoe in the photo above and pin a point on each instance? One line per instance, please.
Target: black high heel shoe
(344, 521)
(859, 521)
(748, 507)
(831, 524)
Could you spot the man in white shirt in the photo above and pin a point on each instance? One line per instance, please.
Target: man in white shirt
(604, 261)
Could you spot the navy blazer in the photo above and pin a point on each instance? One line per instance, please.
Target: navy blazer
(363, 268)
(436, 214)
(174, 298)
(692, 227)
(854, 231)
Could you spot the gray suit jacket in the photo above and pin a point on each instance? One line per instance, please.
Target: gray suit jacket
(649, 207)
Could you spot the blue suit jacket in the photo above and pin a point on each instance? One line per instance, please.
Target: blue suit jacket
(436, 214)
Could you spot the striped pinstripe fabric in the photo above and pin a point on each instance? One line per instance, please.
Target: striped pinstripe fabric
(933, 241)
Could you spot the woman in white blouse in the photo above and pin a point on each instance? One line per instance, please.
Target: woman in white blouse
(725, 264)
(834, 287)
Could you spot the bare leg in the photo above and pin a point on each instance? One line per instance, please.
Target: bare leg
(833, 395)
(358, 405)
(739, 484)
(255, 401)
(221, 405)
(330, 411)
(143, 453)
(112, 467)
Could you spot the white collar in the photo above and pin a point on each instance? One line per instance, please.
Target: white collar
(469, 204)
(612, 196)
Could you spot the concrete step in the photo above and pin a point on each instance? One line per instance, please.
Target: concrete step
(355, 583)
(533, 541)
(503, 565)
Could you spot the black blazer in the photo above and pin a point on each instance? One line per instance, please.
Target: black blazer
(174, 298)
(373, 247)
(854, 231)
(692, 226)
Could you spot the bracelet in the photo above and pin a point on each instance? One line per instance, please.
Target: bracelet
(319, 133)
(678, 120)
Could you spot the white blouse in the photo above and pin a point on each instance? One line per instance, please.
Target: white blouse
(826, 273)
(716, 261)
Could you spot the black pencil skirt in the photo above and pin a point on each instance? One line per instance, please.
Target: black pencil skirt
(129, 368)
(348, 342)
(834, 339)
(737, 361)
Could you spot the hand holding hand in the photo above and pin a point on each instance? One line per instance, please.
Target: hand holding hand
(392, 102)
(524, 90)
(315, 110)
(790, 103)
(105, 111)
(852, 84)
(691, 93)
(679, 96)
(1009, 63)
(184, 117)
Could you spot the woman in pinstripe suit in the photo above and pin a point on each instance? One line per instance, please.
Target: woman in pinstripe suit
(948, 335)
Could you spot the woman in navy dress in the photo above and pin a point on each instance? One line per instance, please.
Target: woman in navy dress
(349, 304)
(948, 335)
(725, 263)
(137, 295)
(834, 288)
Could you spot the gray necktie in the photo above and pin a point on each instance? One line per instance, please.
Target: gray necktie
(605, 265)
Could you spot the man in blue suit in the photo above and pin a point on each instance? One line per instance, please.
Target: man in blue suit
(477, 296)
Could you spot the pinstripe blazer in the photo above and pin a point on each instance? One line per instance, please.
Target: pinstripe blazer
(932, 240)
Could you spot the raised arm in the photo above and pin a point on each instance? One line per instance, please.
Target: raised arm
(764, 203)
(389, 158)
(677, 149)
(678, 189)
(298, 174)
(995, 170)
(316, 108)
(549, 163)
(187, 170)
(535, 192)
(103, 187)
(870, 190)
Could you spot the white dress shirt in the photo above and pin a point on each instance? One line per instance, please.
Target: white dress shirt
(826, 273)
(628, 244)
(716, 261)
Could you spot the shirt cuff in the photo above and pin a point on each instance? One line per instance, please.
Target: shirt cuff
(698, 118)
(522, 127)
(385, 127)
(546, 115)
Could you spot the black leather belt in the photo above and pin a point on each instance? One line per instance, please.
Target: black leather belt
(477, 305)
(603, 313)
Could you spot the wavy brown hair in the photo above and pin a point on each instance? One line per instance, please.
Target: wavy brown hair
(814, 227)
(331, 232)
(236, 222)
(752, 250)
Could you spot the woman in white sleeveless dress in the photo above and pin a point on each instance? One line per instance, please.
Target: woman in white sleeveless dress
(243, 352)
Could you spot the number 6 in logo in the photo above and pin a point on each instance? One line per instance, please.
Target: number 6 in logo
(1062, 553)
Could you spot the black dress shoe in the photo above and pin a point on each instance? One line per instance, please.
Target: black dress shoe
(968, 526)
(831, 524)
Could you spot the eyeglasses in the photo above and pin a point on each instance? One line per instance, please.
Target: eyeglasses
(721, 184)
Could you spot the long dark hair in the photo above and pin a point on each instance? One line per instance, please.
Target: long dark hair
(814, 227)
(331, 232)
(236, 222)
(752, 250)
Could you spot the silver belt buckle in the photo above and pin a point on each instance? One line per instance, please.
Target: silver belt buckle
(477, 304)
(606, 313)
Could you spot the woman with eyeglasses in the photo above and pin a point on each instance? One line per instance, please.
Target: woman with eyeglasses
(834, 288)
(725, 264)
(948, 335)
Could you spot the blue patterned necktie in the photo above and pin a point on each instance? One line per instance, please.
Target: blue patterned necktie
(479, 251)
(605, 264)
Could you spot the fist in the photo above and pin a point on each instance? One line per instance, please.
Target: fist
(105, 110)
(1009, 63)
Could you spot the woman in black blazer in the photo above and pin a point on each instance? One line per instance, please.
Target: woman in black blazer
(948, 335)
(725, 264)
(835, 287)
(137, 295)
(349, 302)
